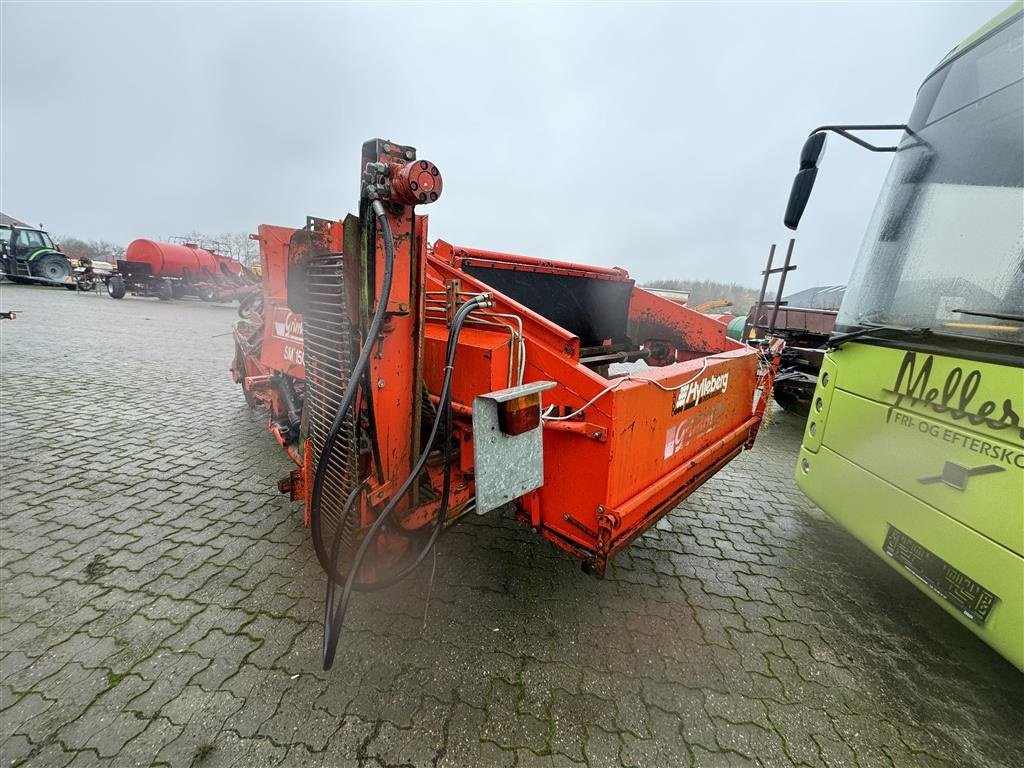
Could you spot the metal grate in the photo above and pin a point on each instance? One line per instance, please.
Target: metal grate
(328, 363)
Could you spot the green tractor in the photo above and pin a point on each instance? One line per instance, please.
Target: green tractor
(28, 255)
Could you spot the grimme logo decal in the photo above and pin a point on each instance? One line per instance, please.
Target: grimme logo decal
(287, 325)
(695, 392)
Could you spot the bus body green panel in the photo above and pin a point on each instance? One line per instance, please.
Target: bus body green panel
(867, 506)
(931, 425)
(912, 450)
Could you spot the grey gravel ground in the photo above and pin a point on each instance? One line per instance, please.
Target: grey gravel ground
(161, 603)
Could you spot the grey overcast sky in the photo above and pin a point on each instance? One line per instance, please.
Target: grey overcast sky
(658, 137)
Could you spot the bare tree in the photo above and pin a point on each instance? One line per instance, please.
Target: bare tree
(101, 250)
(237, 245)
(243, 249)
(702, 291)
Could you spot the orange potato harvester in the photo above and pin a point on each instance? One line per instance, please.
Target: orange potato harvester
(414, 384)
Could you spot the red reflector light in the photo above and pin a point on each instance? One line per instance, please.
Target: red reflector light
(520, 414)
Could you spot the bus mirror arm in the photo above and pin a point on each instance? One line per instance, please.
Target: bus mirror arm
(810, 158)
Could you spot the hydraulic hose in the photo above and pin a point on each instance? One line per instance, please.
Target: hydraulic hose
(349, 396)
(334, 615)
(442, 507)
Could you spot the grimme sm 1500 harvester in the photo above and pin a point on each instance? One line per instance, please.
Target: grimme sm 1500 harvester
(415, 384)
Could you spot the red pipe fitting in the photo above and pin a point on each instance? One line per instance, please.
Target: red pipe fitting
(415, 183)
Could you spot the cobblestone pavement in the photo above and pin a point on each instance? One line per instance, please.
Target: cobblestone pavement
(161, 603)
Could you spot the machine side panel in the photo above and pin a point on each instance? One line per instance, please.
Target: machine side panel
(652, 316)
(282, 348)
(655, 432)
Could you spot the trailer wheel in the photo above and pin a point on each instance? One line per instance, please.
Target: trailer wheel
(165, 290)
(250, 398)
(249, 304)
(793, 400)
(115, 287)
(206, 292)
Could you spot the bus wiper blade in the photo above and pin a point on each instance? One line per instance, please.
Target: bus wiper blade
(993, 315)
(882, 331)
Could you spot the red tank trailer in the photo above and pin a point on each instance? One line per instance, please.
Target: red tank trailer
(171, 259)
(175, 270)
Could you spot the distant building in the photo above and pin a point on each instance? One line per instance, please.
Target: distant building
(7, 221)
(819, 297)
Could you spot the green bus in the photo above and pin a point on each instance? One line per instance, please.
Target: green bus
(915, 440)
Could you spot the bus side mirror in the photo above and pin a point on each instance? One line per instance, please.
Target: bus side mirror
(810, 158)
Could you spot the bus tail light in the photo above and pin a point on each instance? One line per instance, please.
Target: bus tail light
(815, 429)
